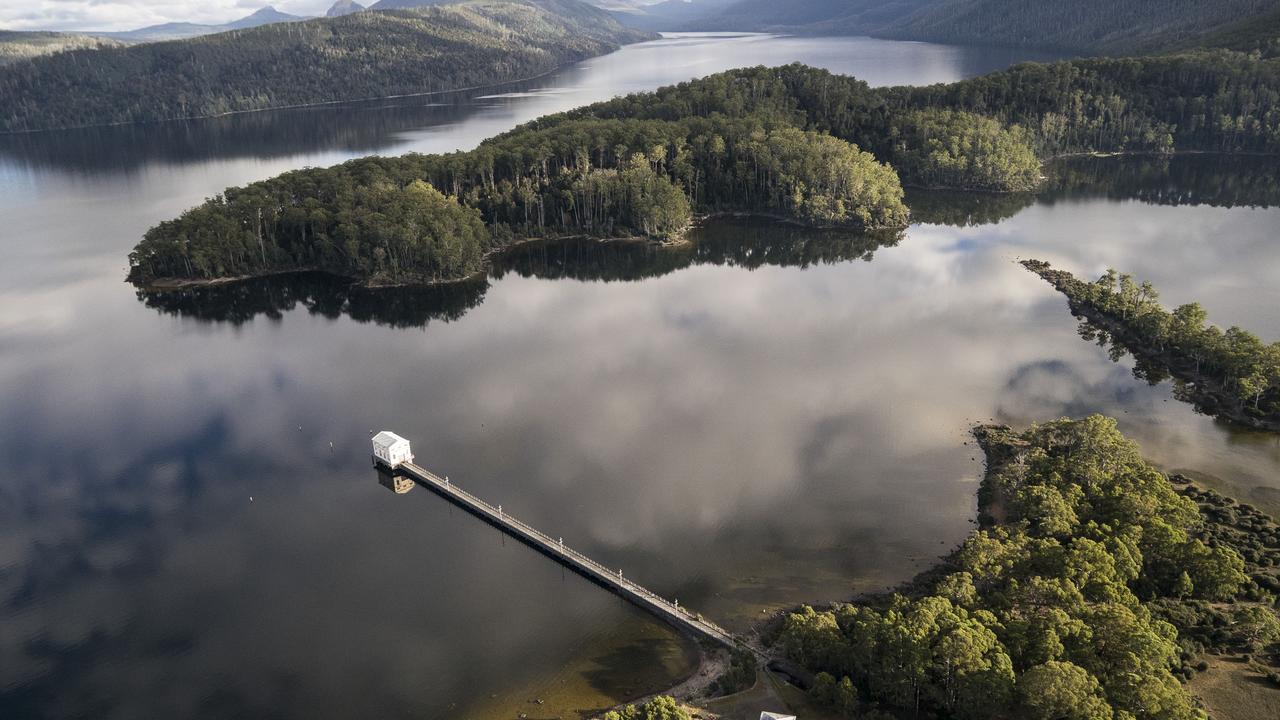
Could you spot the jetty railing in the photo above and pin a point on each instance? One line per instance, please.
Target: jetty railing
(639, 595)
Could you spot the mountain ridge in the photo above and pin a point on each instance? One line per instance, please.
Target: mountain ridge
(343, 7)
(267, 15)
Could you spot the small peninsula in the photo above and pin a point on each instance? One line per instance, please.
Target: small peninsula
(1229, 374)
(1091, 591)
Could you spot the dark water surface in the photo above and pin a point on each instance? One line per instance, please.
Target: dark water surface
(764, 417)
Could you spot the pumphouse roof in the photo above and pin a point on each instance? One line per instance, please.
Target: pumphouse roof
(386, 438)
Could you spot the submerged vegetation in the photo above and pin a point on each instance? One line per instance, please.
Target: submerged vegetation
(794, 142)
(1086, 593)
(1232, 373)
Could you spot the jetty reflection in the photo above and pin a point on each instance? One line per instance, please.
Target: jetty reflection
(396, 482)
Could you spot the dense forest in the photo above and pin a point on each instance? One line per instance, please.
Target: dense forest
(422, 218)
(927, 145)
(794, 142)
(1214, 101)
(368, 54)
(15, 46)
(1229, 373)
(1086, 594)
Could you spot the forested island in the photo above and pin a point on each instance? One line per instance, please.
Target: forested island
(362, 55)
(1089, 592)
(1231, 374)
(386, 221)
(794, 142)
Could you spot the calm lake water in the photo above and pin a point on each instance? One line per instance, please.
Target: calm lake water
(765, 417)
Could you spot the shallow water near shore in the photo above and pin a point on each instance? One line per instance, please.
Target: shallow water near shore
(765, 416)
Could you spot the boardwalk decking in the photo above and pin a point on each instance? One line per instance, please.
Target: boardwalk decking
(611, 579)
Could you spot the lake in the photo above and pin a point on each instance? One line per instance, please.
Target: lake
(190, 526)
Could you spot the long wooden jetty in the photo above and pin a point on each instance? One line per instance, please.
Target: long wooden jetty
(680, 618)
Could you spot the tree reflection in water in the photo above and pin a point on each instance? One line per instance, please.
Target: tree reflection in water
(321, 294)
(738, 243)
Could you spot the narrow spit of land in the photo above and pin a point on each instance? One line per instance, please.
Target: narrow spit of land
(1231, 374)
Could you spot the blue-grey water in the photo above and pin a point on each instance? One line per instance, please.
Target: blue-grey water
(768, 417)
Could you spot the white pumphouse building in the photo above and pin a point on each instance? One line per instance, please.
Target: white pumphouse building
(391, 450)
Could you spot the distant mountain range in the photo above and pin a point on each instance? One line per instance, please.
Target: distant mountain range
(29, 42)
(343, 7)
(179, 30)
(410, 4)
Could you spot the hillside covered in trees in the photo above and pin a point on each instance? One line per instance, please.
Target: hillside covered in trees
(976, 134)
(361, 55)
(1259, 34)
(1116, 27)
(15, 46)
(1230, 373)
(795, 142)
(854, 17)
(1087, 593)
